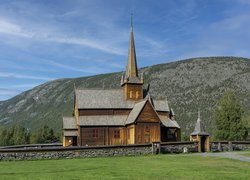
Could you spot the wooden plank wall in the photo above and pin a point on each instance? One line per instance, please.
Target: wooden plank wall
(134, 134)
(113, 139)
(104, 136)
(147, 133)
(148, 114)
(131, 134)
(88, 138)
(135, 89)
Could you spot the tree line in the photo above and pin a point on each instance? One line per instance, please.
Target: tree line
(17, 134)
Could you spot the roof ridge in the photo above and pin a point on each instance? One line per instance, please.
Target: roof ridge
(99, 89)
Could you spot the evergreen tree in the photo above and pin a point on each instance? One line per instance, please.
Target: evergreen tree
(19, 135)
(3, 137)
(44, 135)
(14, 135)
(228, 118)
(246, 121)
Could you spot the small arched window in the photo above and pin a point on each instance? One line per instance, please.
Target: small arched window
(137, 95)
(131, 94)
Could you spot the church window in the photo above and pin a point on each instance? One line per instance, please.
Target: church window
(130, 94)
(95, 133)
(137, 94)
(116, 133)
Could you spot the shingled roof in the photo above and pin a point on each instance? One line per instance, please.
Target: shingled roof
(70, 132)
(110, 99)
(135, 112)
(69, 123)
(199, 128)
(168, 122)
(101, 99)
(116, 120)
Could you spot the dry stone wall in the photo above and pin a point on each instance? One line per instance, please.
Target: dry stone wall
(219, 146)
(99, 151)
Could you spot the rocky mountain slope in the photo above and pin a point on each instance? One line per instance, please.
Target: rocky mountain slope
(189, 85)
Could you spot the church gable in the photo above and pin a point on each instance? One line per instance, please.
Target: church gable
(148, 114)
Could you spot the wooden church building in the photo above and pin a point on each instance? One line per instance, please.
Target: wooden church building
(128, 115)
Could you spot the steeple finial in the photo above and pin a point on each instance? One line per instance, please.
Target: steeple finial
(131, 22)
(199, 115)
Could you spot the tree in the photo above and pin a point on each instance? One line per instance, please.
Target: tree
(20, 135)
(246, 121)
(14, 135)
(44, 135)
(228, 118)
(3, 136)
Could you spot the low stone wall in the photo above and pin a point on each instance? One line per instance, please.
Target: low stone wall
(179, 147)
(98, 151)
(124, 150)
(75, 152)
(218, 146)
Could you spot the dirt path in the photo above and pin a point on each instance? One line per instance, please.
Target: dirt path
(230, 155)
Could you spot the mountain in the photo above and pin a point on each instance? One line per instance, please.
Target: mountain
(189, 85)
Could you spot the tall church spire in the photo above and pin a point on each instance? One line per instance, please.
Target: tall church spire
(132, 84)
(131, 70)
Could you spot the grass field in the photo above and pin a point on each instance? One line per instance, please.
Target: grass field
(246, 153)
(140, 167)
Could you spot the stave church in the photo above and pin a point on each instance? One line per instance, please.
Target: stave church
(128, 115)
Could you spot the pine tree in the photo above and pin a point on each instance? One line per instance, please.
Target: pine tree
(19, 135)
(228, 118)
(44, 135)
(14, 135)
(3, 137)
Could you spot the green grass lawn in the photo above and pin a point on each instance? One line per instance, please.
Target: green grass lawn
(245, 153)
(140, 167)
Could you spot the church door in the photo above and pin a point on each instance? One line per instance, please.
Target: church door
(203, 144)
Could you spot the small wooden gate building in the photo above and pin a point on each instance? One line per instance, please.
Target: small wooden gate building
(200, 135)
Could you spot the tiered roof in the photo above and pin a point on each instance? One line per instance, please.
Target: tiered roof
(199, 127)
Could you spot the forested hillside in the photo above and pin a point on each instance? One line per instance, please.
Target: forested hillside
(189, 85)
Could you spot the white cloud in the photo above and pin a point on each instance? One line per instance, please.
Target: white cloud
(21, 76)
(86, 42)
(6, 27)
(11, 29)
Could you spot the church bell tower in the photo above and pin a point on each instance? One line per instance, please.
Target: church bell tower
(131, 82)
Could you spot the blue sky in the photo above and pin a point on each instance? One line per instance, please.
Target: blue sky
(50, 39)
